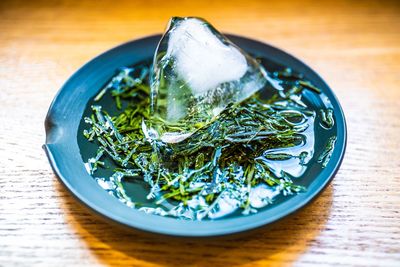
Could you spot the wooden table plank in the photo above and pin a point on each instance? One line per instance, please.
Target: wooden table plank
(354, 45)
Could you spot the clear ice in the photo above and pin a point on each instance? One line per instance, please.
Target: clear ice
(196, 73)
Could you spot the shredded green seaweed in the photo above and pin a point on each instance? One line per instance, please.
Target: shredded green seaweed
(223, 166)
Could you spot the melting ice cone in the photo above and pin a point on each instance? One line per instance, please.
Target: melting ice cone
(196, 73)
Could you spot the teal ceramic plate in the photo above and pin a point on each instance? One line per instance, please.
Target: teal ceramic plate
(67, 149)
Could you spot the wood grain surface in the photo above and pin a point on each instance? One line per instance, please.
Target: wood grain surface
(354, 45)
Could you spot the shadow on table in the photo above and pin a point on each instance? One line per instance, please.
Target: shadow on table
(283, 241)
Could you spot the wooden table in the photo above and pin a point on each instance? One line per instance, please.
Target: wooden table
(354, 45)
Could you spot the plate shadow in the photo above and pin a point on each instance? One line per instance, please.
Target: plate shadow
(279, 243)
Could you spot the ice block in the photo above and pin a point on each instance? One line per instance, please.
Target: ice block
(196, 73)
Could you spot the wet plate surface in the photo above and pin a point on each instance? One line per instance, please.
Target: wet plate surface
(68, 150)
